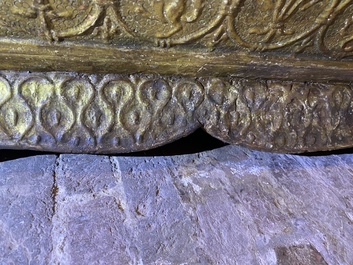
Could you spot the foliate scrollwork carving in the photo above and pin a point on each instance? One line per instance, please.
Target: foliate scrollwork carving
(291, 26)
(148, 72)
(123, 113)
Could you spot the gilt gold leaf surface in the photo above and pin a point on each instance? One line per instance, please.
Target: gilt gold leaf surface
(105, 76)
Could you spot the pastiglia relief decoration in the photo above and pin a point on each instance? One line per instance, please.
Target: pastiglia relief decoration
(309, 26)
(107, 76)
(118, 113)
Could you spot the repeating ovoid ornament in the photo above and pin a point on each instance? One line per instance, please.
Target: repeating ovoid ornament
(110, 76)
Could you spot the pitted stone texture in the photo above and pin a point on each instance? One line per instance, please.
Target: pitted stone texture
(227, 206)
(165, 233)
(264, 201)
(89, 222)
(26, 210)
(297, 255)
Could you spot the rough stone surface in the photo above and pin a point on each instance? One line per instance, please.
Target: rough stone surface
(26, 210)
(226, 206)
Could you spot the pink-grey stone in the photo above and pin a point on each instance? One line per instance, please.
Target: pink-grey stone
(226, 206)
(26, 210)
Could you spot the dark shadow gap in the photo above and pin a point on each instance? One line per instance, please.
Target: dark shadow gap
(344, 151)
(197, 142)
(7, 155)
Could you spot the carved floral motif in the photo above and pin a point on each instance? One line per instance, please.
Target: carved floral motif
(71, 112)
(314, 26)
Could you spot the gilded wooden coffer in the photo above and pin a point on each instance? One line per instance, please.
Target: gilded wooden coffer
(110, 76)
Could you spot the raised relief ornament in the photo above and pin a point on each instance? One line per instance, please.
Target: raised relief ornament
(110, 76)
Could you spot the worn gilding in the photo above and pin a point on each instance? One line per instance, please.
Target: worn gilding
(119, 76)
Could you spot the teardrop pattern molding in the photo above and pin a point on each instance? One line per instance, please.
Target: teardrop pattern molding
(115, 76)
(65, 112)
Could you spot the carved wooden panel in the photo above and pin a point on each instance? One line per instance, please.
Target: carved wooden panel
(121, 75)
(297, 26)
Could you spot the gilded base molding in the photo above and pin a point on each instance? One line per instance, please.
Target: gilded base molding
(65, 112)
(110, 76)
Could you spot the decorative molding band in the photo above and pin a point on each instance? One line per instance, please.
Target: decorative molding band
(245, 38)
(322, 27)
(67, 112)
(108, 76)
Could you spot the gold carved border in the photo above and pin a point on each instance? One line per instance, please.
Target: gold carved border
(107, 76)
(36, 56)
(109, 113)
